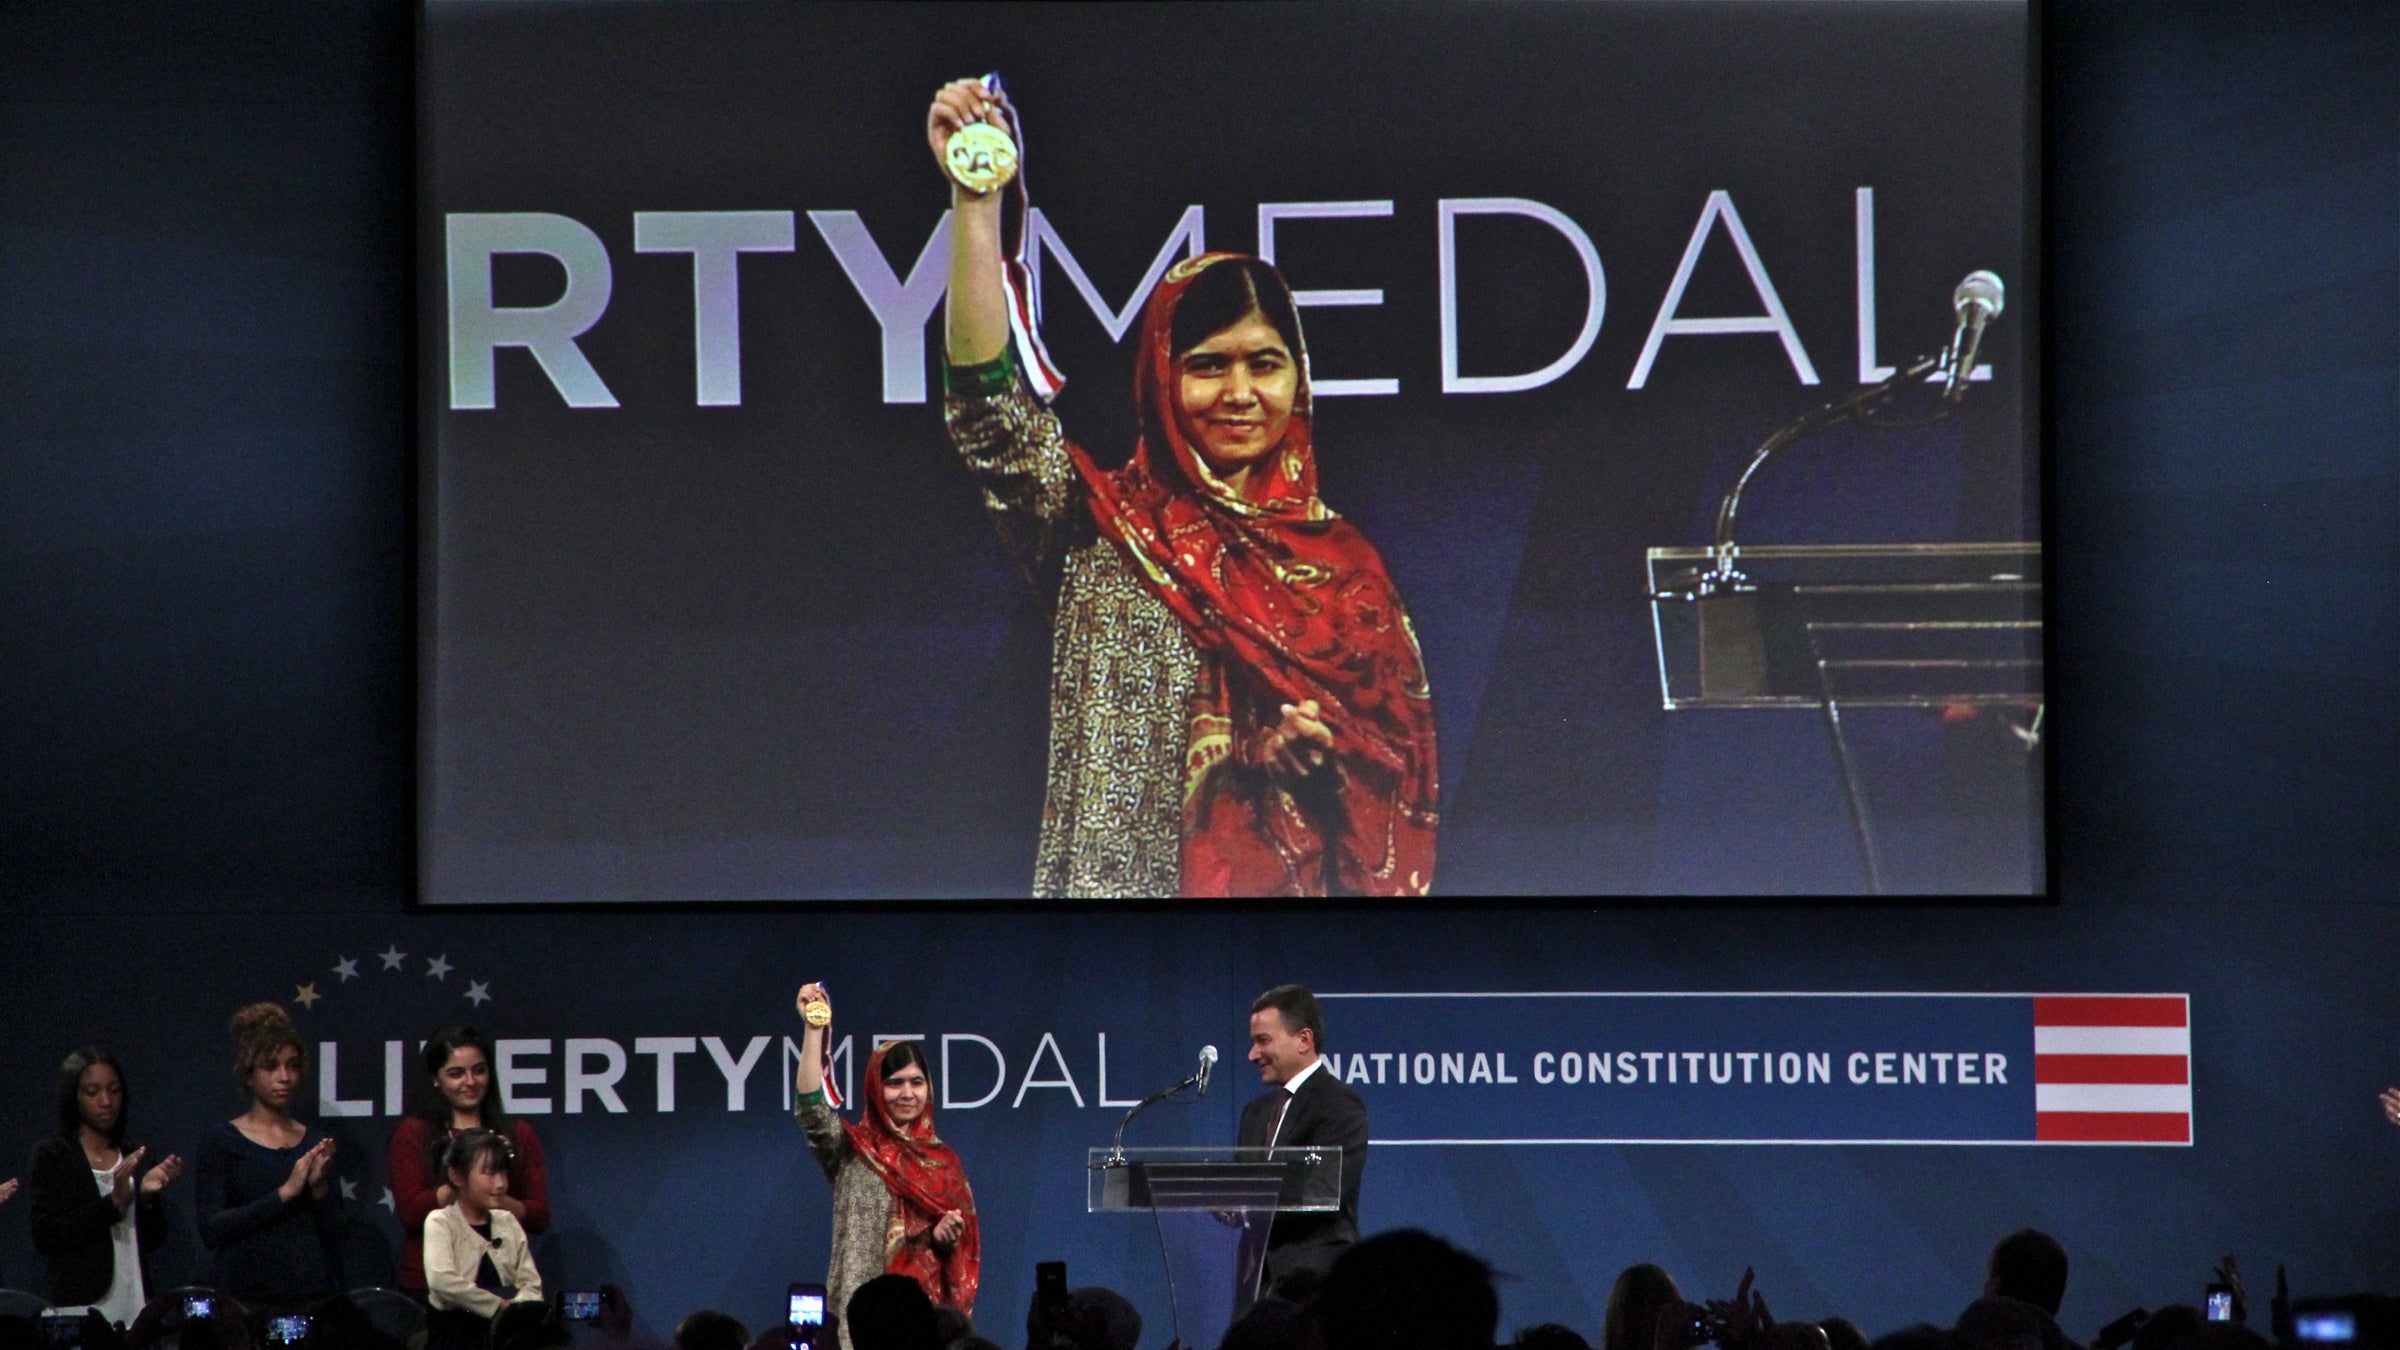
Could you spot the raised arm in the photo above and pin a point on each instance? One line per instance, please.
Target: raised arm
(826, 1138)
(809, 1076)
(976, 307)
(1013, 445)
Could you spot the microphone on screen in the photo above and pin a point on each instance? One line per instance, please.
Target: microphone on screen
(1978, 300)
(1208, 1061)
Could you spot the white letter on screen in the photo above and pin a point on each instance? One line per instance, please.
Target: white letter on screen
(736, 1071)
(395, 1060)
(478, 328)
(900, 307)
(1065, 1079)
(511, 1078)
(1268, 214)
(1595, 282)
(602, 1084)
(1868, 370)
(1042, 237)
(999, 1066)
(1720, 207)
(329, 1066)
(1105, 1099)
(716, 240)
(666, 1048)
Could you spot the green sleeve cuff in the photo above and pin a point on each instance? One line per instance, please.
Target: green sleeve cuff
(988, 380)
(816, 1098)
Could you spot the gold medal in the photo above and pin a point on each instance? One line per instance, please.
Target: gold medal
(981, 157)
(818, 1014)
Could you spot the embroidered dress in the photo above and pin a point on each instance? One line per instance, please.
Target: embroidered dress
(862, 1208)
(1187, 615)
(891, 1186)
(1123, 673)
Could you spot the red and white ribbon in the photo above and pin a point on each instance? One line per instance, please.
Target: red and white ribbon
(1016, 278)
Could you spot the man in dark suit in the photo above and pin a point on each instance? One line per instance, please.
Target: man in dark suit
(1306, 1104)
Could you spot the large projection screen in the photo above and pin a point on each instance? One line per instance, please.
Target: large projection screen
(710, 609)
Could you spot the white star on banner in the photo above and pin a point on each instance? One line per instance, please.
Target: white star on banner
(392, 956)
(439, 966)
(349, 1189)
(386, 1201)
(347, 969)
(478, 993)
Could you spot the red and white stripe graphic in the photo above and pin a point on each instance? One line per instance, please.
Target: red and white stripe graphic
(2112, 1068)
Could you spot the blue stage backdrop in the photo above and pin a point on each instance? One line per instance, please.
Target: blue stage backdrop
(206, 749)
(654, 1057)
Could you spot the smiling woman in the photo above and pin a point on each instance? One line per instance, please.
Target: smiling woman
(1238, 706)
(459, 1096)
(901, 1203)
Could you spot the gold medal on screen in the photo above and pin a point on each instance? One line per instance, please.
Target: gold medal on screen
(981, 157)
(818, 1014)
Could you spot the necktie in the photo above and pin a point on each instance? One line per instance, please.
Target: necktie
(1282, 1109)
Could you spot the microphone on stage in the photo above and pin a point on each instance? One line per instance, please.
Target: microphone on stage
(1978, 301)
(1199, 1079)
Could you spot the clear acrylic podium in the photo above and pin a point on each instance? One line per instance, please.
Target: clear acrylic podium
(1211, 1207)
(1843, 628)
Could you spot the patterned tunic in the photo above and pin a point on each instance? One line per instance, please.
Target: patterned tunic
(1122, 670)
(862, 1207)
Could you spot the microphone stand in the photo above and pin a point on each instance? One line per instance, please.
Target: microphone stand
(1722, 577)
(1116, 1153)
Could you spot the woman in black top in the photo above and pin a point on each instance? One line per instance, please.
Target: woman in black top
(97, 1208)
(263, 1182)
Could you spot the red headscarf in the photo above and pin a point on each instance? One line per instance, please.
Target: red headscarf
(925, 1177)
(1287, 602)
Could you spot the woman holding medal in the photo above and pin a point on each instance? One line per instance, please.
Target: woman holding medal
(1238, 705)
(901, 1204)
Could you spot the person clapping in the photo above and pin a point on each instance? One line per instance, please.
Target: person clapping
(98, 1204)
(263, 1181)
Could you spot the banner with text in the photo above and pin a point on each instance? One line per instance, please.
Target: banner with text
(1664, 1068)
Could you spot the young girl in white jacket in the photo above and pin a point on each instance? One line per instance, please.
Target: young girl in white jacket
(477, 1258)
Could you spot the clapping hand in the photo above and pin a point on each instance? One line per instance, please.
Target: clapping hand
(320, 1173)
(120, 1177)
(2390, 1097)
(8, 1188)
(160, 1177)
(309, 1171)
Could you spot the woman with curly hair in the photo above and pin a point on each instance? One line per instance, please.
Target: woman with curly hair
(263, 1181)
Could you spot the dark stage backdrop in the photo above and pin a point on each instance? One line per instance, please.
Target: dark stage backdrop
(206, 738)
(711, 609)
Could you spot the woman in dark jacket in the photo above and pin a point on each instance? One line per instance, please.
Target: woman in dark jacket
(98, 1206)
(262, 1185)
